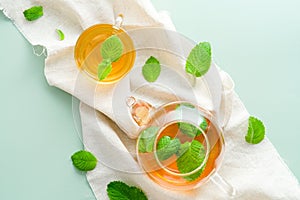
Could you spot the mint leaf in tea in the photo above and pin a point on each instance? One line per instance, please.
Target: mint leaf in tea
(147, 139)
(166, 147)
(104, 68)
(191, 159)
(112, 48)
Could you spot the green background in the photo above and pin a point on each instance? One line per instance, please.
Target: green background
(256, 42)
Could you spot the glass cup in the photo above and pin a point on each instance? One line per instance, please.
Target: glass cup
(87, 51)
(175, 166)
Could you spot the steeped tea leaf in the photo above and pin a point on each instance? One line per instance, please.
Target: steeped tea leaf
(199, 59)
(112, 48)
(151, 69)
(104, 68)
(33, 13)
(147, 138)
(256, 131)
(117, 190)
(191, 159)
(84, 160)
(166, 147)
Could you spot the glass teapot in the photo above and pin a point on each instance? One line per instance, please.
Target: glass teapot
(180, 145)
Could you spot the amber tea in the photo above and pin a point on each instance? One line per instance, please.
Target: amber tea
(87, 52)
(183, 152)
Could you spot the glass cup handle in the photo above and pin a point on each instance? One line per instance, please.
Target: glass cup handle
(223, 185)
(118, 21)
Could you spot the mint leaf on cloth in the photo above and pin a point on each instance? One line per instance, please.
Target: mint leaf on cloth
(60, 34)
(112, 48)
(166, 147)
(104, 69)
(151, 69)
(118, 190)
(33, 13)
(256, 131)
(147, 138)
(199, 60)
(191, 159)
(84, 160)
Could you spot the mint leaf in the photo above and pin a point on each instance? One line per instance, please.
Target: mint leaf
(191, 160)
(112, 48)
(33, 13)
(183, 148)
(256, 131)
(117, 190)
(204, 125)
(84, 160)
(61, 35)
(147, 138)
(104, 68)
(188, 129)
(151, 69)
(199, 59)
(186, 104)
(166, 147)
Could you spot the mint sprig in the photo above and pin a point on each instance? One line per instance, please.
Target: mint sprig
(191, 159)
(151, 69)
(117, 190)
(147, 138)
(111, 51)
(256, 131)
(84, 160)
(166, 147)
(199, 59)
(33, 13)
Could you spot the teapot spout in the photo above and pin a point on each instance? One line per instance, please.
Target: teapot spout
(140, 110)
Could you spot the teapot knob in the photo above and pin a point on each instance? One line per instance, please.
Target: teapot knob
(140, 110)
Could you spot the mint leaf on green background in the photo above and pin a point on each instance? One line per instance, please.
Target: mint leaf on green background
(256, 131)
(147, 138)
(33, 13)
(60, 34)
(166, 147)
(84, 160)
(151, 69)
(191, 159)
(112, 48)
(199, 59)
(118, 190)
(104, 68)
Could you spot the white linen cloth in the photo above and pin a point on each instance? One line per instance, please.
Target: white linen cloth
(256, 172)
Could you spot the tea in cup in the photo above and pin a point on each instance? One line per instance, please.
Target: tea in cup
(88, 51)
